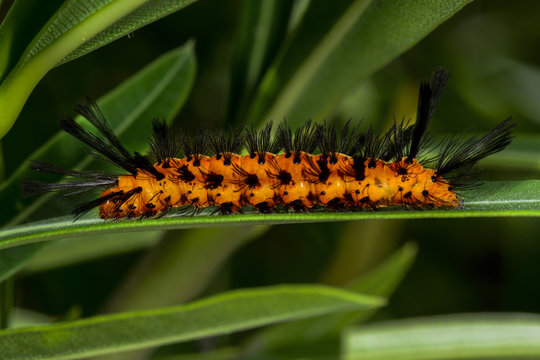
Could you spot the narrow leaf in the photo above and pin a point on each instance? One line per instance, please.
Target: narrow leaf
(495, 199)
(380, 281)
(314, 73)
(222, 314)
(81, 249)
(470, 336)
(198, 251)
(22, 22)
(73, 25)
(149, 12)
(159, 90)
(261, 31)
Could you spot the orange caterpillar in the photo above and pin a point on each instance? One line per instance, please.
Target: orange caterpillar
(352, 170)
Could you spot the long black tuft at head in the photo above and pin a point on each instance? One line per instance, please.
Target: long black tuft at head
(428, 98)
(86, 180)
(459, 156)
(91, 111)
(97, 144)
(109, 147)
(46, 167)
(164, 143)
(33, 187)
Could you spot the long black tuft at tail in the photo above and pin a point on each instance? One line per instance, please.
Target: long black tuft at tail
(428, 98)
(459, 156)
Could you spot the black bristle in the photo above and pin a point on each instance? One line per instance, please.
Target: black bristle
(164, 143)
(326, 136)
(92, 180)
(369, 146)
(330, 143)
(46, 167)
(428, 97)
(458, 156)
(396, 140)
(258, 142)
(304, 139)
(226, 143)
(33, 187)
(194, 148)
(110, 148)
(91, 111)
(101, 147)
(85, 207)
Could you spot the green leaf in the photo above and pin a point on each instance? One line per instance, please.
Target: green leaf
(522, 154)
(147, 13)
(12, 260)
(82, 249)
(159, 90)
(199, 251)
(218, 354)
(261, 31)
(222, 314)
(20, 25)
(338, 45)
(75, 24)
(470, 336)
(494, 199)
(380, 281)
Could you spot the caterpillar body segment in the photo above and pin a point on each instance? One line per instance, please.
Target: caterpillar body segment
(252, 186)
(352, 171)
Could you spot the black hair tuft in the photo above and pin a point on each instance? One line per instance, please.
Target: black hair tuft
(258, 143)
(226, 143)
(304, 139)
(458, 156)
(164, 143)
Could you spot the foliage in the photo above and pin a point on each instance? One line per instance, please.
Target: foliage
(108, 287)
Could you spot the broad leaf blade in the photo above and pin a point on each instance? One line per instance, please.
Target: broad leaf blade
(222, 314)
(471, 336)
(494, 199)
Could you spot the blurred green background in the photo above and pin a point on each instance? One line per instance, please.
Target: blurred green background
(492, 48)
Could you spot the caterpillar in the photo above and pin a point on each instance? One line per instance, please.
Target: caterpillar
(351, 170)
